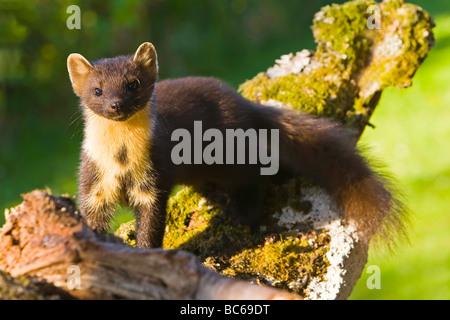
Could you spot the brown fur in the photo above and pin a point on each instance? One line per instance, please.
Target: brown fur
(126, 153)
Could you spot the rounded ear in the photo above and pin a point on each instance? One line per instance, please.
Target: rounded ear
(146, 56)
(79, 69)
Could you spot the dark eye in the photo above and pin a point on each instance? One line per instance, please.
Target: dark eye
(98, 92)
(133, 85)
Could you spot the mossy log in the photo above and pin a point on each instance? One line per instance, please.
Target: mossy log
(49, 253)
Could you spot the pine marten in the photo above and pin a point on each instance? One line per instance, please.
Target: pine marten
(128, 147)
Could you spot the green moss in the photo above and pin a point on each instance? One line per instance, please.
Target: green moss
(19, 288)
(287, 263)
(399, 51)
(352, 63)
(303, 92)
(189, 214)
(339, 30)
(16, 289)
(202, 226)
(127, 232)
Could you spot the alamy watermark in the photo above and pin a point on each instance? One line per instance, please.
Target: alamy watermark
(373, 281)
(234, 140)
(374, 20)
(74, 20)
(74, 280)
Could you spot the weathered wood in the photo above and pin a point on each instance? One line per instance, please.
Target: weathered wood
(43, 239)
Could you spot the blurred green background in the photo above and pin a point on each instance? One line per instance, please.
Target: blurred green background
(41, 128)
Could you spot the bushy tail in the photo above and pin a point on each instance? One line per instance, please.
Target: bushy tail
(325, 153)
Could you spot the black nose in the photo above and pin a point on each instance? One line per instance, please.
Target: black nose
(115, 105)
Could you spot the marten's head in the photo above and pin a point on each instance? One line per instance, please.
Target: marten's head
(115, 88)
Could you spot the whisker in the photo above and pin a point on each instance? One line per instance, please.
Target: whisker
(75, 120)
